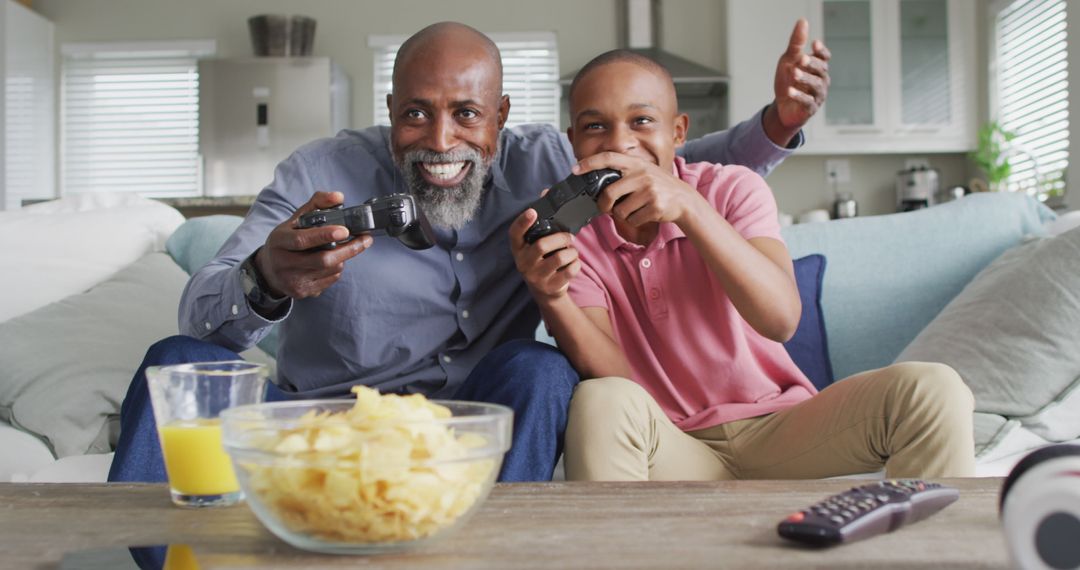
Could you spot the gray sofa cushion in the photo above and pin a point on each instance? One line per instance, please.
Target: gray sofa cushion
(1013, 334)
(67, 365)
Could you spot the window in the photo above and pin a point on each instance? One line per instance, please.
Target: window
(530, 75)
(130, 118)
(1031, 93)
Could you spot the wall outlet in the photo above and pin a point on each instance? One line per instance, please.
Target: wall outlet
(916, 163)
(837, 171)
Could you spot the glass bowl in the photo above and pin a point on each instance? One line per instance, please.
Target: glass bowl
(326, 477)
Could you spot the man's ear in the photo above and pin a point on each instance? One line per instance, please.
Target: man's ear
(682, 127)
(504, 110)
(390, 106)
(570, 134)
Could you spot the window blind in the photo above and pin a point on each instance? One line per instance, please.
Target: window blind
(530, 75)
(130, 119)
(1032, 93)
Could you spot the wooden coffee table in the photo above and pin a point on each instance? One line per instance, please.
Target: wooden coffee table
(550, 525)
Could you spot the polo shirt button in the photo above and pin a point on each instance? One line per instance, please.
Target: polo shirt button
(459, 256)
(465, 314)
(208, 327)
(235, 310)
(446, 359)
(654, 294)
(646, 263)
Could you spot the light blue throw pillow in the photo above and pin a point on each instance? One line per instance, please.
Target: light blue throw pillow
(889, 276)
(197, 241)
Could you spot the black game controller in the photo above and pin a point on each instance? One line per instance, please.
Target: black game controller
(396, 215)
(570, 204)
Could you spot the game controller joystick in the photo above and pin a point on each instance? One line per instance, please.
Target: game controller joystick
(396, 215)
(569, 205)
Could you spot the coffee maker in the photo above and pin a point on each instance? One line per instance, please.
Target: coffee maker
(916, 188)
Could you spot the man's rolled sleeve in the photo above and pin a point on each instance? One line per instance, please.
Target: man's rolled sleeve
(213, 306)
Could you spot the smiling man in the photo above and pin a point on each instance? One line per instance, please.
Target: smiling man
(454, 321)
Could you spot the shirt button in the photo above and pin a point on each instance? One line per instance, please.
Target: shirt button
(208, 327)
(654, 294)
(646, 263)
(465, 314)
(235, 310)
(446, 359)
(459, 256)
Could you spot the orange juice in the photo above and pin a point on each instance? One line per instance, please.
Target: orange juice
(194, 458)
(180, 557)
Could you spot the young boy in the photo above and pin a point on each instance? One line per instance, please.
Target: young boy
(676, 303)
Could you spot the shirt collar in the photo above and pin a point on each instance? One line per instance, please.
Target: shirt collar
(605, 225)
(496, 174)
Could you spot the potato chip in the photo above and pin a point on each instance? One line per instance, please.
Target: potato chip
(383, 471)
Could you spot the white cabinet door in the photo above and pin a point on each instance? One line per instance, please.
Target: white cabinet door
(902, 70)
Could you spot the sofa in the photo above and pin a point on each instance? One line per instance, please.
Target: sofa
(92, 281)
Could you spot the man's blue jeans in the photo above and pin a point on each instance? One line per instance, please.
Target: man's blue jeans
(532, 378)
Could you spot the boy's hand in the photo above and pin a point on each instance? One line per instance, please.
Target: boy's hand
(548, 264)
(646, 193)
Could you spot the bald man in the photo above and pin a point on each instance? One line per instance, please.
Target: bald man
(454, 321)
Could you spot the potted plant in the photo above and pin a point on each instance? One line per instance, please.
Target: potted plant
(992, 154)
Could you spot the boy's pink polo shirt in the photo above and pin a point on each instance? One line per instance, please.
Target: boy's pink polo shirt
(686, 343)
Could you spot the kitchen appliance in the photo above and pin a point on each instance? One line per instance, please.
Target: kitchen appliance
(253, 112)
(916, 188)
(845, 206)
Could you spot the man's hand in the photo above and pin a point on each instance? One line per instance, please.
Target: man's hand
(646, 193)
(289, 264)
(548, 264)
(800, 86)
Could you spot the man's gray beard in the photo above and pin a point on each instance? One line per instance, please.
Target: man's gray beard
(446, 207)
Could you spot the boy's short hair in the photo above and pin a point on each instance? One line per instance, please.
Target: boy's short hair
(617, 55)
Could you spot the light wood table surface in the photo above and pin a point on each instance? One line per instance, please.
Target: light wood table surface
(549, 525)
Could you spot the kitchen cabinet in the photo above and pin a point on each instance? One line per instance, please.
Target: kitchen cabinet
(903, 71)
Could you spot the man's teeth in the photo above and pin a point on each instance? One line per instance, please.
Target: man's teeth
(444, 170)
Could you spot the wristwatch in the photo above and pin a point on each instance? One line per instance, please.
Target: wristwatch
(255, 288)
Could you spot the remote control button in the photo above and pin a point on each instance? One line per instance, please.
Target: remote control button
(796, 517)
(837, 519)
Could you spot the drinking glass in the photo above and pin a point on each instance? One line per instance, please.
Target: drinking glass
(187, 400)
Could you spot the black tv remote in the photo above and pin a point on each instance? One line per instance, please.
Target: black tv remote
(866, 511)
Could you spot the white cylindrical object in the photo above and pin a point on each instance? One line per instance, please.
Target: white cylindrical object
(1041, 515)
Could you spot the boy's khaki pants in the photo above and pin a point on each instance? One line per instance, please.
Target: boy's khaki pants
(913, 418)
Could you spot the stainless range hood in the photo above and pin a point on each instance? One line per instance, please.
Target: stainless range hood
(640, 32)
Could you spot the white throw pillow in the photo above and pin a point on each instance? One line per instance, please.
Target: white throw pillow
(52, 250)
